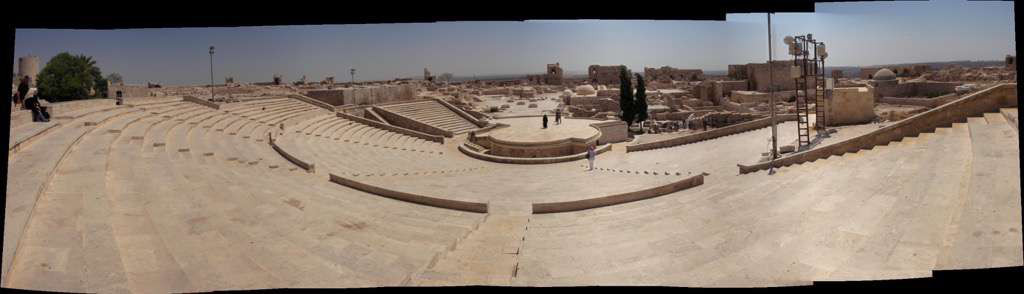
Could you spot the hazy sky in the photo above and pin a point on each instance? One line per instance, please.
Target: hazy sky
(856, 34)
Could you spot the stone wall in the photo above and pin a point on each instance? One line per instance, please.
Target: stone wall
(128, 91)
(306, 165)
(666, 73)
(605, 75)
(738, 71)
(409, 197)
(926, 102)
(612, 131)
(733, 129)
(529, 160)
(850, 106)
(554, 207)
(365, 95)
(916, 89)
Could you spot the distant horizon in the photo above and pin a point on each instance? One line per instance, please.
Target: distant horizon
(857, 34)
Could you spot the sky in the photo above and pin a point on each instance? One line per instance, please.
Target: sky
(856, 34)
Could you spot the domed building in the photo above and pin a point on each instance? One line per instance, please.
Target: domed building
(884, 75)
(585, 90)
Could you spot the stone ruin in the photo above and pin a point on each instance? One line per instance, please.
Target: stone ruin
(666, 73)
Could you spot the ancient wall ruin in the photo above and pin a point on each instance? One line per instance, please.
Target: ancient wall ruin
(605, 75)
(128, 91)
(850, 106)
(666, 73)
(365, 95)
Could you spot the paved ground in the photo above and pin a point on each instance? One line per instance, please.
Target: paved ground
(530, 129)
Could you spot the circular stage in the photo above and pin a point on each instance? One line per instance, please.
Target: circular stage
(529, 130)
(525, 137)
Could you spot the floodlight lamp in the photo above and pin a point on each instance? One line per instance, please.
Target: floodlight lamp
(820, 51)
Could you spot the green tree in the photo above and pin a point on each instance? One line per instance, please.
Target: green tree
(626, 97)
(640, 104)
(70, 77)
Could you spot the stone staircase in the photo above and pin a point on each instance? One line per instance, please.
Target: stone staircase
(178, 197)
(433, 113)
(948, 199)
(487, 256)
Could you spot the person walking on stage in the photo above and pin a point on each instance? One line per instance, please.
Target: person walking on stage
(591, 155)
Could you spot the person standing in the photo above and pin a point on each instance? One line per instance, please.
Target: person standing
(558, 116)
(545, 120)
(23, 88)
(591, 155)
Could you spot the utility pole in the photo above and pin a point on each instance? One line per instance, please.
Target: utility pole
(771, 93)
(211, 72)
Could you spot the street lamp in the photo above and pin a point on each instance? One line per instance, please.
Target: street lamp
(211, 72)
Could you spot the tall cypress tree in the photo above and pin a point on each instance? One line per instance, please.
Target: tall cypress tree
(640, 104)
(626, 97)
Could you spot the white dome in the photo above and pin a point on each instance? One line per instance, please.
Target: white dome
(884, 75)
(585, 90)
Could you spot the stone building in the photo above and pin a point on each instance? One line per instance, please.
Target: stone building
(737, 71)
(427, 76)
(28, 66)
(667, 73)
(899, 71)
(605, 74)
(116, 90)
(365, 95)
(553, 76)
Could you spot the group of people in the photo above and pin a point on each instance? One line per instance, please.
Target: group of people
(27, 98)
(558, 118)
(591, 149)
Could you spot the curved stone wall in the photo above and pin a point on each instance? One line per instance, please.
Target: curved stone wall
(308, 166)
(538, 160)
(554, 207)
(409, 197)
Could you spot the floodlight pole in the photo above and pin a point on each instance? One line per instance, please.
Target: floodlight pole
(771, 92)
(211, 72)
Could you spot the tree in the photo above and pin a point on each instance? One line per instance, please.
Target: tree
(70, 77)
(626, 97)
(640, 105)
(115, 78)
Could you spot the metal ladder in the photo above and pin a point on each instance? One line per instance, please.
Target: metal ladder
(819, 96)
(802, 108)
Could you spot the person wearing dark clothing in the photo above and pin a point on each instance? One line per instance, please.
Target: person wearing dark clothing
(39, 113)
(558, 116)
(23, 88)
(545, 120)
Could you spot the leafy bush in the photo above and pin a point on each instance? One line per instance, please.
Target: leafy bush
(71, 77)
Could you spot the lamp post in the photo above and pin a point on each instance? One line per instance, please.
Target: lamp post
(771, 93)
(211, 72)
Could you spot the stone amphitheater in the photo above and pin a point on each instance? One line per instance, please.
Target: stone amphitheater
(172, 195)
